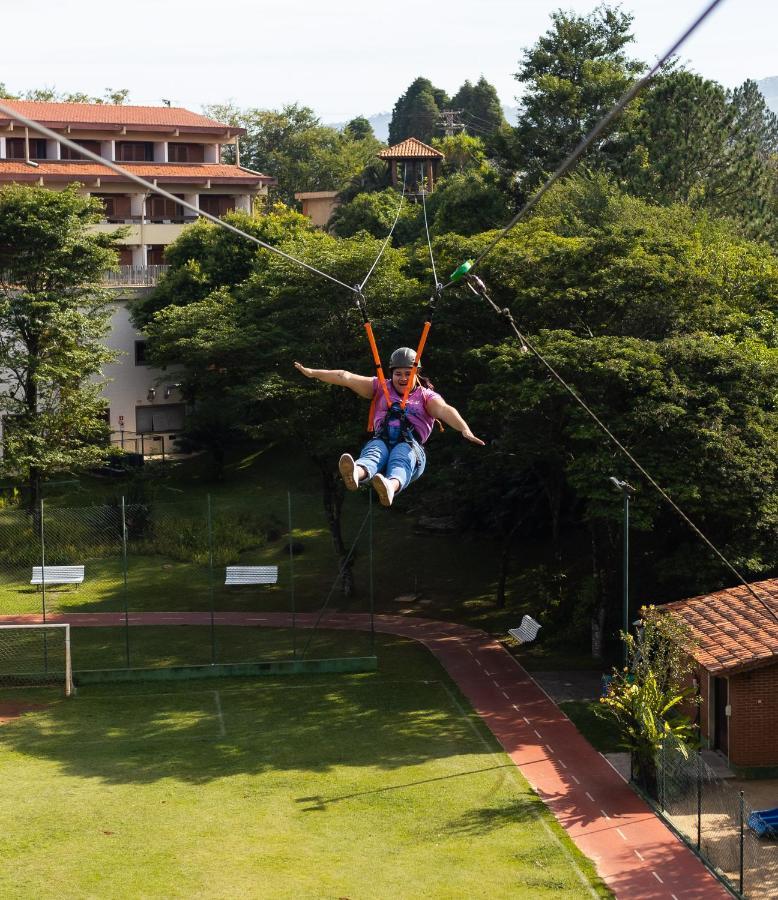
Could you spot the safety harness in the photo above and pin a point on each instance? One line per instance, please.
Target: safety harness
(395, 426)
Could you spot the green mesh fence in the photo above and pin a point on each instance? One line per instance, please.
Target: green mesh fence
(33, 655)
(712, 814)
(172, 558)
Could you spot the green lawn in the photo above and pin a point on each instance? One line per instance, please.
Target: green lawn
(362, 786)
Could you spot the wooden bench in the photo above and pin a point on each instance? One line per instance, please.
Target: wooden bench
(49, 575)
(527, 631)
(251, 575)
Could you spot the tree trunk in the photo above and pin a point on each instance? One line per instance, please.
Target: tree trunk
(333, 494)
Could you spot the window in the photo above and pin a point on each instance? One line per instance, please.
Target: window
(155, 255)
(67, 153)
(140, 353)
(15, 148)
(191, 153)
(134, 151)
(216, 204)
(162, 417)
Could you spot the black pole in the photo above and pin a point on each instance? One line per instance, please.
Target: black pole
(699, 798)
(742, 837)
(625, 566)
(126, 596)
(372, 592)
(291, 576)
(210, 580)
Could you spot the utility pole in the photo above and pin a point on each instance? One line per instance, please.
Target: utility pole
(449, 121)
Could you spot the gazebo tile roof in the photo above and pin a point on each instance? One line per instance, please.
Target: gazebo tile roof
(411, 148)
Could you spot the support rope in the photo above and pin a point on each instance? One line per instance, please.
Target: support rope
(477, 286)
(567, 164)
(361, 287)
(368, 517)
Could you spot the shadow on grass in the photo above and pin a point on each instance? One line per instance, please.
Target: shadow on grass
(196, 732)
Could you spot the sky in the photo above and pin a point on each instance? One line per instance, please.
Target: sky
(340, 57)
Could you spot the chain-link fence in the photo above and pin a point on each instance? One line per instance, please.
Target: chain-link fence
(713, 817)
(130, 559)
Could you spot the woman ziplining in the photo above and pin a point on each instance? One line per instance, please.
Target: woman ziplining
(403, 413)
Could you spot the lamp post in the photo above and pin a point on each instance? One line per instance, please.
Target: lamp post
(626, 490)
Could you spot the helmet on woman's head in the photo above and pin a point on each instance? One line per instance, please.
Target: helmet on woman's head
(402, 358)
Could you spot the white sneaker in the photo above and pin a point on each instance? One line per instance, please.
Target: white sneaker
(348, 472)
(384, 488)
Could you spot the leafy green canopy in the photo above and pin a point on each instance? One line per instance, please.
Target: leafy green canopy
(53, 321)
(294, 147)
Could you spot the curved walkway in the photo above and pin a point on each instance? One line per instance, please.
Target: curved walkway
(637, 856)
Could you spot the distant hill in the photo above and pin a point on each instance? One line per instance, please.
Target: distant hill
(769, 87)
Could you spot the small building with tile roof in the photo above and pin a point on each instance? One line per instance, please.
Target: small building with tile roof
(414, 163)
(735, 645)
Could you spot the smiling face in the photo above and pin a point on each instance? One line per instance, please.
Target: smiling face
(400, 379)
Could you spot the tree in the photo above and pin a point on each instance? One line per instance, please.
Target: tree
(53, 320)
(359, 128)
(236, 346)
(695, 142)
(646, 696)
(480, 107)
(114, 96)
(293, 146)
(417, 112)
(375, 213)
(572, 76)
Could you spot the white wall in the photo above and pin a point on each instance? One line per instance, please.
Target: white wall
(130, 384)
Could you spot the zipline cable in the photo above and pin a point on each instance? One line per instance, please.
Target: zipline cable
(429, 241)
(368, 518)
(149, 186)
(567, 164)
(361, 287)
(477, 287)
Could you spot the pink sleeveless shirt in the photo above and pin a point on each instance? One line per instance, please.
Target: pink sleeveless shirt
(415, 408)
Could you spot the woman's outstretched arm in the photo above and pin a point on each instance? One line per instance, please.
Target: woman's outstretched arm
(360, 384)
(441, 410)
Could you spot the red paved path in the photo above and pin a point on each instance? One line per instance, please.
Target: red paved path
(635, 853)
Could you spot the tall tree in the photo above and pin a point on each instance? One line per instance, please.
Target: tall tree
(572, 76)
(698, 143)
(417, 112)
(480, 107)
(53, 320)
(293, 146)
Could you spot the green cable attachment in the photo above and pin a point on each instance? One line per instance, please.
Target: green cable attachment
(462, 270)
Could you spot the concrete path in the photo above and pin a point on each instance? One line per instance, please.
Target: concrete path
(637, 856)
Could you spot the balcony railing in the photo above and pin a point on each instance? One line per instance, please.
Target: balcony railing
(134, 276)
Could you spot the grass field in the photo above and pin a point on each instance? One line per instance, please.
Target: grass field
(365, 786)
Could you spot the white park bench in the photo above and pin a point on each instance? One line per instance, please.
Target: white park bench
(251, 575)
(48, 575)
(527, 631)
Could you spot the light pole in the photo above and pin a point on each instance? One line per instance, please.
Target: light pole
(626, 490)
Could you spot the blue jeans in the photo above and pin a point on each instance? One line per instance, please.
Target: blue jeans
(405, 461)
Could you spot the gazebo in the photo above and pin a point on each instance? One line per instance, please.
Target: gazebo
(420, 164)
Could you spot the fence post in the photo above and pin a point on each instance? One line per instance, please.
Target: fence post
(43, 561)
(43, 589)
(210, 581)
(663, 764)
(126, 595)
(291, 576)
(699, 798)
(370, 563)
(742, 837)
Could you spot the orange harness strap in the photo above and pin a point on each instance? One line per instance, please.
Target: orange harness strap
(379, 373)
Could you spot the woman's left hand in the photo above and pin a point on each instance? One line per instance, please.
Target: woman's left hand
(468, 435)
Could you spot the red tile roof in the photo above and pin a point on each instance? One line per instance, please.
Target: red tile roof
(411, 148)
(18, 170)
(731, 629)
(92, 115)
